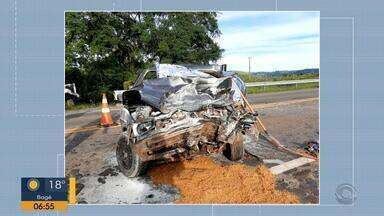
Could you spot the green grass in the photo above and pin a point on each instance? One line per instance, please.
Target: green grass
(247, 77)
(80, 106)
(280, 88)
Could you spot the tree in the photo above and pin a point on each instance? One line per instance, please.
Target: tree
(105, 49)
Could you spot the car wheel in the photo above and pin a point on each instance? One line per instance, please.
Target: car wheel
(129, 162)
(235, 151)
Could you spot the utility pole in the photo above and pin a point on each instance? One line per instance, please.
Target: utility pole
(249, 64)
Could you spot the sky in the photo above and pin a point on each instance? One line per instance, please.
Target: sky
(274, 40)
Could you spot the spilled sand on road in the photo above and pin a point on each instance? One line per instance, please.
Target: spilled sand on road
(202, 180)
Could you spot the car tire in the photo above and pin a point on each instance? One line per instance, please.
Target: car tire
(129, 162)
(235, 151)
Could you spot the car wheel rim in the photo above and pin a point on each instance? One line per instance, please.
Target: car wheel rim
(125, 155)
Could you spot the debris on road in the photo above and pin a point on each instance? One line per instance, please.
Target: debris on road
(201, 180)
(284, 167)
(271, 139)
(313, 148)
(71, 95)
(92, 156)
(118, 189)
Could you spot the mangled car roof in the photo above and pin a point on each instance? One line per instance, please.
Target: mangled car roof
(180, 88)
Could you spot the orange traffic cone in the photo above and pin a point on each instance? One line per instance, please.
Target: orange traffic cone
(106, 118)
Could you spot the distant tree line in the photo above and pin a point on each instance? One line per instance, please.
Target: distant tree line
(312, 73)
(104, 49)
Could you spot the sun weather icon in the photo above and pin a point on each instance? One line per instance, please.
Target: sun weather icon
(33, 184)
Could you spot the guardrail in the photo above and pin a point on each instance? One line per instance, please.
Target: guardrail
(283, 82)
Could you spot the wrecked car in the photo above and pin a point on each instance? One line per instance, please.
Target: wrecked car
(173, 112)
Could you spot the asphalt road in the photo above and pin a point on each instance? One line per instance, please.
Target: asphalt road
(84, 118)
(282, 96)
(90, 157)
(87, 118)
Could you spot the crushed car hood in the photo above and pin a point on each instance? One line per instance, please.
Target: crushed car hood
(182, 93)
